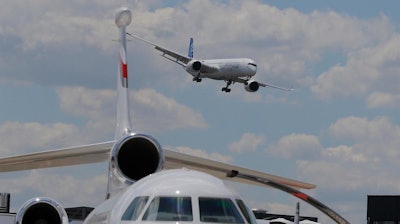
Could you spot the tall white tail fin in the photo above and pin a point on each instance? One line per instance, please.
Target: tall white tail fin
(122, 19)
(190, 52)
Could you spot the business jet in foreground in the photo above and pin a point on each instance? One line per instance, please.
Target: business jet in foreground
(230, 70)
(146, 183)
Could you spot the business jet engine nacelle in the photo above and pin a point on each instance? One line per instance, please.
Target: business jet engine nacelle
(251, 86)
(41, 210)
(134, 157)
(193, 66)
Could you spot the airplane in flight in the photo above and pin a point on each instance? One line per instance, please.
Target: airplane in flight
(230, 70)
(146, 183)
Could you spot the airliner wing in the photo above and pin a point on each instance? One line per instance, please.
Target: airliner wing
(276, 87)
(265, 85)
(100, 152)
(171, 55)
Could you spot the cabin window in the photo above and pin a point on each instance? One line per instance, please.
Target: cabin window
(219, 210)
(135, 208)
(248, 214)
(169, 209)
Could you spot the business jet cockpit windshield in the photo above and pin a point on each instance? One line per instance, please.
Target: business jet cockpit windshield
(180, 209)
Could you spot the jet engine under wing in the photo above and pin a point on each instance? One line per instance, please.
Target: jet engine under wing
(100, 152)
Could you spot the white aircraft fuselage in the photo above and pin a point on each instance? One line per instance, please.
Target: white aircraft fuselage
(225, 69)
(177, 195)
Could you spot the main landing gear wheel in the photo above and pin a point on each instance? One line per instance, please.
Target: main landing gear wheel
(226, 89)
(197, 79)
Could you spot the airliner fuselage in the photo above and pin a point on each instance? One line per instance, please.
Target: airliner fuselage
(225, 69)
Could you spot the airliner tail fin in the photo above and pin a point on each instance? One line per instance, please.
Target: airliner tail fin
(190, 52)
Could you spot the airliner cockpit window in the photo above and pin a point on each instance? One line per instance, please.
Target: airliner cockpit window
(169, 209)
(135, 208)
(219, 210)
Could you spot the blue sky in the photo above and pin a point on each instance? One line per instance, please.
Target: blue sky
(339, 129)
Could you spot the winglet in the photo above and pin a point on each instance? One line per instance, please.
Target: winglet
(190, 52)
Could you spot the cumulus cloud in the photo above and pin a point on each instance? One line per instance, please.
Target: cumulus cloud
(370, 72)
(151, 111)
(284, 42)
(365, 162)
(383, 100)
(299, 146)
(18, 137)
(292, 42)
(154, 111)
(247, 143)
(358, 129)
(65, 188)
(361, 161)
(42, 23)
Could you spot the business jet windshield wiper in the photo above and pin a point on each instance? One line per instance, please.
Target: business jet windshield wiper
(146, 183)
(230, 70)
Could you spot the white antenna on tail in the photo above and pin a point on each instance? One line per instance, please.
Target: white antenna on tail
(122, 19)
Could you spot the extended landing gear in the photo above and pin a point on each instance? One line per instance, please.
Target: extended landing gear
(227, 89)
(197, 78)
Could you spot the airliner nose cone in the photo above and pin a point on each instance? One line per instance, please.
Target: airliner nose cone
(123, 17)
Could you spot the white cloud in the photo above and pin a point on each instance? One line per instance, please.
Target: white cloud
(247, 143)
(154, 111)
(67, 189)
(17, 137)
(42, 22)
(298, 146)
(97, 107)
(365, 132)
(151, 111)
(368, 72)
(361, 160)
(366, 163)
(284, 42)
(382, 100)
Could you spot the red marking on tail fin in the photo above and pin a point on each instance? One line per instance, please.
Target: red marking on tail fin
(124, 69)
